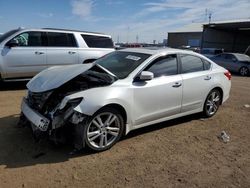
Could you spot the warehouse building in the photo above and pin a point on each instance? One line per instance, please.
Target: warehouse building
(233, 36)
(189, 35)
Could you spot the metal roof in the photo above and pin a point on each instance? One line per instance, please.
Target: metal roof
(190, 28)
(228, 21)
(230, 25)
(198, 27)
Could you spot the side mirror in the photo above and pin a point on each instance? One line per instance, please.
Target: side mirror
(12, 43)
(146, 75)
(234, 59)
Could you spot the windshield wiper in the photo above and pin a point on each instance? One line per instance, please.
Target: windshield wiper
(107, 71)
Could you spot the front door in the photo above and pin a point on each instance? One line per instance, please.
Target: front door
(161, 96)
(27, 58)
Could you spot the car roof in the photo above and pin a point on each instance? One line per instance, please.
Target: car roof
(72, 30)
(63, 30)
(155, 50)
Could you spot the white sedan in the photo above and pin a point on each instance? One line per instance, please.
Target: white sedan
(120, 92)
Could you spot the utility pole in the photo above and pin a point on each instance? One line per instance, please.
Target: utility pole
(128, 35)
(137, 38)
(206, 12)
(118, 39)
(209, 17)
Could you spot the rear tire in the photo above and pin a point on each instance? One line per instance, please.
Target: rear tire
(103, 129)
(212, 103)
(244, 71)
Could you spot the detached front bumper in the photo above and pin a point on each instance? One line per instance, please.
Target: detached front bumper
(56, 128)
(37, 120)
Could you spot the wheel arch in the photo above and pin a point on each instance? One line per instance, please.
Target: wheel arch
(121, 109)
(118, 107)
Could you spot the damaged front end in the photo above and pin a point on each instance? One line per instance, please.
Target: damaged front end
(50, 116)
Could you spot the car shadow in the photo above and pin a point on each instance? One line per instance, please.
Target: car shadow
(13, 85)
(163, 125)
(18, 148)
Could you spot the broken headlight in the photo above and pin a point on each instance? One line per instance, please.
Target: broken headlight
(37, 100)
(74, 102)
(70, 103)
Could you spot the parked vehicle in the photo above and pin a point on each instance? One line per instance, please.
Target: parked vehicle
(210, 52)
(194, 49)
(25, 52)
(247, 51)
(123, 91)
(235, 62)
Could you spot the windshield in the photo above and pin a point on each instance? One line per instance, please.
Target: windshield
(242, 57)
(120, 63)
(7, 34)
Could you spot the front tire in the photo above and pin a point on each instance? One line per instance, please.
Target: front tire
(244, 71)
(103, 129)
(212, 103)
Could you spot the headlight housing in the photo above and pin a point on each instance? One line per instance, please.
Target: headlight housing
(71, 102)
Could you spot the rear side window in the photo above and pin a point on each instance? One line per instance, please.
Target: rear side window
(61, 39)
(98, 41)
(191, 63)
(207, 65)
(164, 66)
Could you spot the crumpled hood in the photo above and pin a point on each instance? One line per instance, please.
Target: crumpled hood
(56, 76)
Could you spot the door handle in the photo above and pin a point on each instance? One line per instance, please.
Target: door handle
(39, 53)
(207, 78)
(177, 84)
(71, 52)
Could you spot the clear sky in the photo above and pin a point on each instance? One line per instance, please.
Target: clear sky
(123, 19)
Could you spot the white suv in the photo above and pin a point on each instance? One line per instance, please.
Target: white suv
(25, 52)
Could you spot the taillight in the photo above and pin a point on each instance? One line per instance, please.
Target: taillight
(228, 75)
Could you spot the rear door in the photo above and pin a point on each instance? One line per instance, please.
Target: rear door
(26, 59)
(62, 49)
(197, 81)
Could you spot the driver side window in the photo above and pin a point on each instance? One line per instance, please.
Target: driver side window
(29, 39)
(164, 66)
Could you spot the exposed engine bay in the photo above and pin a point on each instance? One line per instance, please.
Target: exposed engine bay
(62, 120)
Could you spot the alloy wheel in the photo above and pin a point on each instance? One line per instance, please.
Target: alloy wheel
(103, 130)
(244, 71)
(213, 102)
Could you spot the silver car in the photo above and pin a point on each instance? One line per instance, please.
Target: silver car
(234, 62)
(123, 91)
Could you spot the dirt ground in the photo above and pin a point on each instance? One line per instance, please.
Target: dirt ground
(180, 153)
